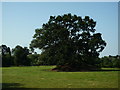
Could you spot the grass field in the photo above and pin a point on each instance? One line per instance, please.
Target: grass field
(42, 77)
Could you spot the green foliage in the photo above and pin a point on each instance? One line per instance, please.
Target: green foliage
(34, 61)
(71, 39)
(20, 56)
(46, 58)
(110, 61)
(6, 56)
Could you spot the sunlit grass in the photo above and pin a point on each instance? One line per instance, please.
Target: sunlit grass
(42, 77)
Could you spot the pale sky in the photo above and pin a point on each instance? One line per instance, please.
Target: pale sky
(20, 19)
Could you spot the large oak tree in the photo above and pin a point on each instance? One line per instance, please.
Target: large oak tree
(71, 41)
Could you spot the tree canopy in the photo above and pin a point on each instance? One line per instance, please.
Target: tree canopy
(20, 56)
(70, 40)
(6, 56)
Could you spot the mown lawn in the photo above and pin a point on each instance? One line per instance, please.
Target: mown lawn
(42, 77)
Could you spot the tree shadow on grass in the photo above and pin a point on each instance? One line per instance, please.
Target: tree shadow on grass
(106, 70)
(46, 70)
(100, 70)
(11, 85)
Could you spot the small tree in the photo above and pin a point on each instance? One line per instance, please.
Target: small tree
(20, 56)
(72, 41)
(6, 56)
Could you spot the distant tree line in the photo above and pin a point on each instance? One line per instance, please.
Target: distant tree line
(14, 57)
(110, 61)
(22, 56)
